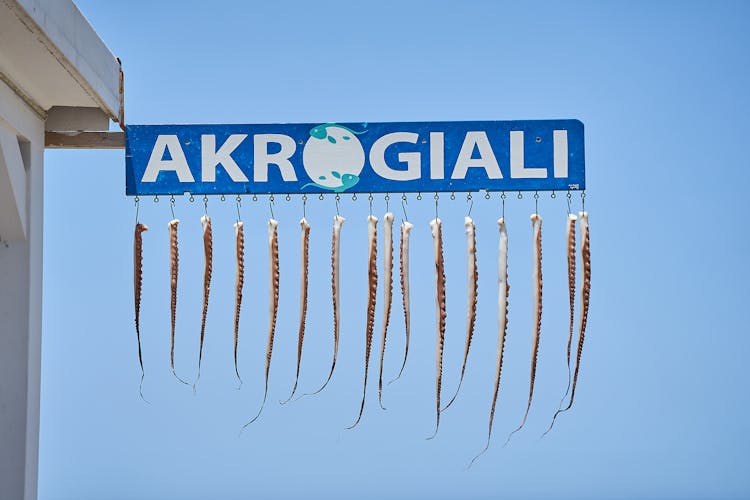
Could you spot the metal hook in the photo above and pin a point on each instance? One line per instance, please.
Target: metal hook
(191, 199)
(536, 202)
(223, 198)
(369, 198)
(387, 202)
(205, 204)
(171, 205)
(288, 197)
(137, 204)
(568, 196)
(239, 203)
(469, 200)
(502, 202)
(270, 206)
(403, 206)
(419, 196)
(337, 198)
(304, 206)
(487, 195)
(583, 201)
(436, 198)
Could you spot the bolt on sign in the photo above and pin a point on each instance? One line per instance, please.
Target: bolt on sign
(399, 157)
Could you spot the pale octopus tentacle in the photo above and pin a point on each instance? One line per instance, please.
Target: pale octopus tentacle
(137, 287)
(338, 222)
(304, 264)
(502, 323)
(473, 278)
(273, 253)
(437, 238)
(372, 288)
(536, 222)
(239, 284)
(406, 227)
(207, 272)
(174, 263)
(387, 293)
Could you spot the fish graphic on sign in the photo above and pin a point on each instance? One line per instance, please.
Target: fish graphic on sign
(333, 157)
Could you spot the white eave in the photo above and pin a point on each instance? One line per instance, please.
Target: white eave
(52, 57)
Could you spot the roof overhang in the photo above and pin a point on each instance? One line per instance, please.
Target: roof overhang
(52, 58)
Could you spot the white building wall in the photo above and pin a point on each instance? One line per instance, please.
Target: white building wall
(20, 298)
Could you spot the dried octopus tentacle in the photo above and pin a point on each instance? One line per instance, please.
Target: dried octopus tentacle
(207, 271)
(273, 253)
(174, 263)
(583, 218)
(387, 293)
(137, 286)
(305, 258)
(404, 268)
(372, 286)
(437, 238)
(239, 284)
(536, 222)
(502, 323)
(338, 221)
(473, 278)
(571, 254)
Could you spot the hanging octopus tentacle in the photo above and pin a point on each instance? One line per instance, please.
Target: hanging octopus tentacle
(502, 324)
(406, 227)
(174, 264)
(304, 264)
(372, 289)
(536, 222)
(387, 294)
(137, 287)
(207, 271)
(473, 278)
(273, 254)
(437, 238)
(239, 284)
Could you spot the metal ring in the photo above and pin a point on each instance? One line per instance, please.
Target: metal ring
(191, 199)
(487, 195)
(223, 198)
(238, 199)
(468, 196)
(137, 199)
(255, 197)
(369, 198)
(338, 197)
(502, 196)
(320, 196)
(536, 195)
(453, 196)
(354, 197)
(520, 196)
(553, 195)
(288, 197)
(436, 197)
(387, 197)
(271, 198)
(171, 199)
(419, 196)
(156, 199)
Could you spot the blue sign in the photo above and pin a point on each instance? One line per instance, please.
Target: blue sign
(526, 155)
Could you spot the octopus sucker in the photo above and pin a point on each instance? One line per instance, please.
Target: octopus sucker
(583, 220)
(437, 238)
(473, 278)
(372, 289)
(406, 227)
(338, 222)
(239, 284)
(304, 265)
(207, 272)
(502, 324)
(137, 287)
(387, 293)
(273, 254)
(174, 265)
(536, 223)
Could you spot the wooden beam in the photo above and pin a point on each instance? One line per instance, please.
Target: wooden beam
(84, 140)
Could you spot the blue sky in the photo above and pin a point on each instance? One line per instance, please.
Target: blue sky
(663, 394)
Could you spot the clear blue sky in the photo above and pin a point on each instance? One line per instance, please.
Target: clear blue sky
(663, 398)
